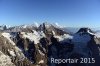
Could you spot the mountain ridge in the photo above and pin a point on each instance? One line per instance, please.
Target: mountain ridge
(35, 46)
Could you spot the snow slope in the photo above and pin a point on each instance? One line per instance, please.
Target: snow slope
(6, 61)
(8, 36)
(33, 36)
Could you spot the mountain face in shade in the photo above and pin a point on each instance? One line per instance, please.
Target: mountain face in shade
(35, 46)
(85, 30)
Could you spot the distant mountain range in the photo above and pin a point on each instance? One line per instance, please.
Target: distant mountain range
(35, 45)
(65, 28)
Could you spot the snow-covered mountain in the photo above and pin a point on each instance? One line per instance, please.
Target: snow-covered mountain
(3, 27)
(31, 45)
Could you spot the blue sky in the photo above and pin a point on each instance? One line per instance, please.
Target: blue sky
(70, 13)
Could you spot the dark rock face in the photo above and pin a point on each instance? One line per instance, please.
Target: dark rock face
(4, 27)
(18, 60)
(48, 28)
(85, 30)
(27, 53)
(95, 50)
(58, 50)
(31, 50)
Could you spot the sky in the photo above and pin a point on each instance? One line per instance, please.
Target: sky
(70, 13)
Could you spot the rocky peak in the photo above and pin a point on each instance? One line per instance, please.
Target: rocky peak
(45, 26)
(3, 27)
(35, 47)
(85, 30)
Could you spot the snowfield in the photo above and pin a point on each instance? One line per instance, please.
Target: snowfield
(97, 34)
(8, 36)
(62, 37)
(36, 36)
(6, 61)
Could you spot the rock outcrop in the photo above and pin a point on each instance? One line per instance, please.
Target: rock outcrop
(36, 46)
